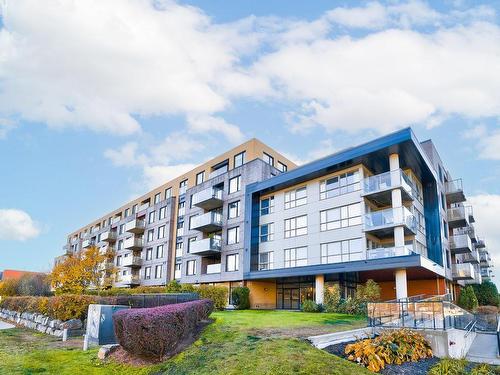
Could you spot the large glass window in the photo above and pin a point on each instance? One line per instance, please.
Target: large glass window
(162, 213)
(190, 243)
(178, 249)
(233, 210)
(296, 226)
(234, 184)
(159, 251)
(233, 235)
(200, 177)
(338, 185)
(267, 206)
(296, 257)
(295, 198)
(151, 235)
(232, 262)
(342, 251)
(239, 159)
(267, 232)
(282, 167)
(149, 253)
(340, 217)
(266, 261)
(158, 271)
(147, 273)
(182, 209)
(168, 192)
(268, 159)
(177, 272)
(191, 267)
(151, 217)
(157, 198)
(180, 229)
(161, 232)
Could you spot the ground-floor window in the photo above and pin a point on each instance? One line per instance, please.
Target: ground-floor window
(292, 292)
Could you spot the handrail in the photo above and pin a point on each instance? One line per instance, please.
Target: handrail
(498, 335)
(472, 324)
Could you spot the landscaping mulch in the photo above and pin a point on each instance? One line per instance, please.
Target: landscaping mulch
(421, 367)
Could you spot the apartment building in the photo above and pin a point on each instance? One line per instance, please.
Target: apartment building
(386, 210)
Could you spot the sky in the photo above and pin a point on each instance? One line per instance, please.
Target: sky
(101, 101)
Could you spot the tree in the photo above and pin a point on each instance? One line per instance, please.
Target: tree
(9, 288)
(36, 284)
(486, 293)
(467, 299)
(82, 271)
(369, 292)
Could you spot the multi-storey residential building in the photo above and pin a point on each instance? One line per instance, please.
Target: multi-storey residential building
(386, 210)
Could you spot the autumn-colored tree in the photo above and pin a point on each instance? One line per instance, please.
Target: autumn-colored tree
(81, 271)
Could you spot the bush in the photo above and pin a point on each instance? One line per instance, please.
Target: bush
(467, 299)
(486, 293)
(241, 297)
(393, 347)
(63, 307)
(159, 331)
(35, 284)
(310, 306)
(218, 294)
(370, 292)
(448, 366)
(331, 298)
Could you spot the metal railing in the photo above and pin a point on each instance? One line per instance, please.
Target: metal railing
(498, 336)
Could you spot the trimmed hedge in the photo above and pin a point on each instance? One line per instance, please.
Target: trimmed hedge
(63, 307)
(218, 294)
(157, 331)
(241, 297)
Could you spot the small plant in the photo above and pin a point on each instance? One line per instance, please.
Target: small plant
(309, 306)
(241, 297)
(467, 299)
(482, 369)
(369, 292)
(448, 366)
(331, 298)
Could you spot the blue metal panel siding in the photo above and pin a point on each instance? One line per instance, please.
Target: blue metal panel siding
(433, 223)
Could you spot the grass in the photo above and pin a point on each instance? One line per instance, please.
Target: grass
(238, 342)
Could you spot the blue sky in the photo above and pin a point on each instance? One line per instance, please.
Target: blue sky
(101, 101)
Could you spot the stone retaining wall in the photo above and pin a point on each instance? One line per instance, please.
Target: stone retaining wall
(43, 323)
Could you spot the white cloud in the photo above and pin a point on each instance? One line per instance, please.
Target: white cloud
(156, 175)
(486, 209)
(487, 143)
(372, 16)
(6, 126)
(125, 156)
(208, 124)
(17, 225)
(324, 148)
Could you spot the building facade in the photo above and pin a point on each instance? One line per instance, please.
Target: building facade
(387, 210)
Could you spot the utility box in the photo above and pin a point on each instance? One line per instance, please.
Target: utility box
(100, 329)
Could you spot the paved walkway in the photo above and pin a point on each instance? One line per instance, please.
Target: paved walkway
(4, 325)
(484, 349)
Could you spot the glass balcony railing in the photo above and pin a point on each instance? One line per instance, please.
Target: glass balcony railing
(211, 221)
(109, 236)
(389, 252)
(390, 217)
(460, 243)
(132, 261)
(135, 226)
(386, 181)
(208, 198)
(130, 279)
(454, 191)
(218, 172)
(87, 243)
(213, 268)
(462, 271)
(205, 246)
(133, 243)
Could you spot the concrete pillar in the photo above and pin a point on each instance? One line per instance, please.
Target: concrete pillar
(401, 286)
(397, 200)
(319, 287)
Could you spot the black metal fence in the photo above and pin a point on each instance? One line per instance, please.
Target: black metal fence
(148, 300)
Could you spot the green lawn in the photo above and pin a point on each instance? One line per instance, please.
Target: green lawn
(238, 342)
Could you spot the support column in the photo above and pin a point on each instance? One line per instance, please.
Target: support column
(401, 286)
(397, 200)
(319, 287)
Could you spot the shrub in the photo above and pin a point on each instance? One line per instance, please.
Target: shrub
(486, 293)
(352, 306)
(218, 294)
(310, 306)
(448, 366)
(370, 292)
(331, 298)
(467, 299)
(241, 297)
(34, 284)
(159, 331)
(393, 347)
(482, 369)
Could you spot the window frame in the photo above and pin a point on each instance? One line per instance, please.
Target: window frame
(294, 230)
(291, 200)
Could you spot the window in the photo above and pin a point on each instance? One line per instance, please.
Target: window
(190, 242)
(342, 251)
(158, 271)
(191, 267)
(151, 217)
(168, 192)
(295, 198)
(445, 229)
(134, 209)
(161, 232)
(443, 201)
(282, 167)
(162, 213)
(127, 212)
(338, 185)
(296, 226)
(266, 261)
(177, 271)
(268, 159)
(233, 235)
(120, 245)
(233, 210)
(147, 273)
(157, 198)
(234, 184)
(267, 232)
(159, 251)
(192, 221)
(149, 253)
(180, 229)
(200, 177)
(232, 262)
(119, 260)
(296, 257)
(239, 159)
(183, 183)
(267, 206)
(340, 217)
(182, 209)
(150, 235)
(121, 229)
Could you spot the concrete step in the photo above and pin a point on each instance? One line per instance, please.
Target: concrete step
(322, 341)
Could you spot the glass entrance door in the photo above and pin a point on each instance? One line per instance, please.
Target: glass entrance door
(291, 298)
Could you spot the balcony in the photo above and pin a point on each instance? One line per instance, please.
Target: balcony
(457, 217)
(207, 246)
(388, 252)
(213, 268)
(130, 280)
(132, 261)
(480, 244)
(218, 172)
(378, 188)
(460, 244)
(87, 243)
(109, 236)
(484, 258)
(208, 199)
(381, 223)
(472, 257)
(470, 212)
(485, 273)
(133, 243)
(454, 191)
(135, 226)
(209, 222)
(463, 271)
